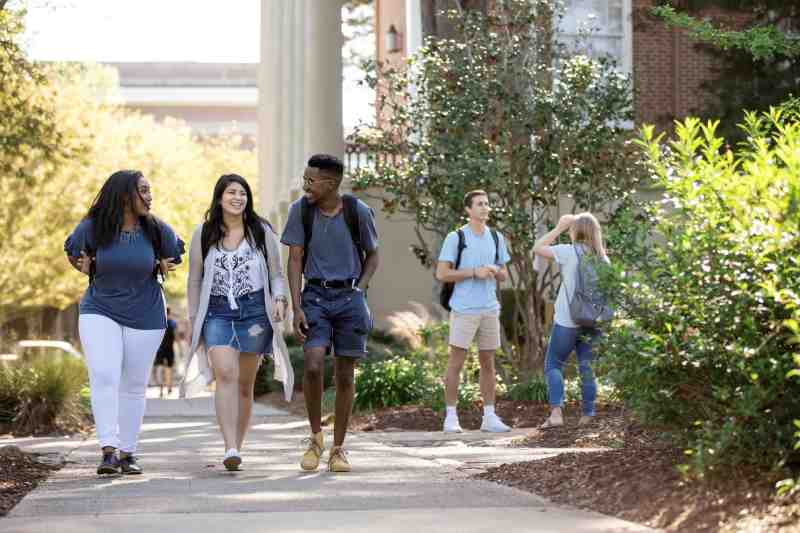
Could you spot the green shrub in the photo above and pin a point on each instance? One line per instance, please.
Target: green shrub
(43, 394)
(415, 376)
(703, 346)
(533, 390)
(392, 382)
(328, 400)
(468, 394)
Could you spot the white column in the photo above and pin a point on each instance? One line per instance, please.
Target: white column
(300, 92)
(323, 96)
(413, 35)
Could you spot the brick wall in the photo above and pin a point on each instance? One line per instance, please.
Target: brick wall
(669, 67)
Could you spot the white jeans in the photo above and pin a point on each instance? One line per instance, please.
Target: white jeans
(119, 361)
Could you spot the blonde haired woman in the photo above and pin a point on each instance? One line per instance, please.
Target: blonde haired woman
(566, 336)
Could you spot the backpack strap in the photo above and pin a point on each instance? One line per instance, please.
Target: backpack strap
(350, 207)
(578, 274)
(307, 216)
(351, 218)
(157, 251)
(461, 245)
(496, 246)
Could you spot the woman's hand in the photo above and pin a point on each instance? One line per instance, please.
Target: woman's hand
(84, 263)
(166, 264)
(566, 221)
(279, 307)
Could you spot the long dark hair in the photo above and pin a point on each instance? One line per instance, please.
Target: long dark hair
(108, 209)
(213, 232)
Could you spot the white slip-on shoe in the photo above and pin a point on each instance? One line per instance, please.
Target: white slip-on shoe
(493, 424)
(451, 425)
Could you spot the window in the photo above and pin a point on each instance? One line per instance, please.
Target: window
(611, 25)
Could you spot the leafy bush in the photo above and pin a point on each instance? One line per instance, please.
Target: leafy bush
(43, 395)
(523, 114)
(328, 400)
(707, 299)
(415, 376)
(397, 381)
(533, 390)
(468, 394)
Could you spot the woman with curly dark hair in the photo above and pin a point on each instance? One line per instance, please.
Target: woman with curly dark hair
(123, 249)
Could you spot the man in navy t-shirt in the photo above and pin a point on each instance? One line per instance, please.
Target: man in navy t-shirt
(338, 261)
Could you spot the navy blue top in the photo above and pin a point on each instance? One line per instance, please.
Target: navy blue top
(124, 288)
(331, 252)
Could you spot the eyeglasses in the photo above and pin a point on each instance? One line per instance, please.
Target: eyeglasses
(311, 180)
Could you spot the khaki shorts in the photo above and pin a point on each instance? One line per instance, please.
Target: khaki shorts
(463, 328)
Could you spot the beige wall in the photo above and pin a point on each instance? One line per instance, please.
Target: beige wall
(401, 279)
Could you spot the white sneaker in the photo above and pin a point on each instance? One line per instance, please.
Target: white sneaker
(451, 425)
(493, 424)
(232, 459)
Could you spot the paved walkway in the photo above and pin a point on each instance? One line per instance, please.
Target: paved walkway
(404, 481)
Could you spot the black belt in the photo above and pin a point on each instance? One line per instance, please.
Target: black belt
(333, 283)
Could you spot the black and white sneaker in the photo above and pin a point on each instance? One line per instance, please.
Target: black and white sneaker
(109, 464)
(129, 466)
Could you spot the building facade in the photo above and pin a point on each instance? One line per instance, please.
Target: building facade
(668, 67)
(212, 98)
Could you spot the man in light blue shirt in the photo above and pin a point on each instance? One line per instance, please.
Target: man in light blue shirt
(475, 309)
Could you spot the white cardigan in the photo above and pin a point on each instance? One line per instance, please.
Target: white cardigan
(198, 293)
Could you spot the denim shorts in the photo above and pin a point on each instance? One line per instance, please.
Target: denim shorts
(338, 318)
(246, 329)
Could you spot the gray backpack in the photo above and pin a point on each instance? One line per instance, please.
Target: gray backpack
(588, 307)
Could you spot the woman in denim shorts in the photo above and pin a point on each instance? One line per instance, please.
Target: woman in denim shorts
(237, 301)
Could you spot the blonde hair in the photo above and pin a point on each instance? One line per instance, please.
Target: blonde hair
(586, 230)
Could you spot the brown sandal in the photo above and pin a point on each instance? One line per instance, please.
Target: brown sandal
(549, 424)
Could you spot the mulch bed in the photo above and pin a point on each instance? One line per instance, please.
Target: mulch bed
(639, 481)
(606, 431)
(20, 473)
(412, 418)
(636, 478)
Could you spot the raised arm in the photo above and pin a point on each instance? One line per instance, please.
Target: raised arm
(542, 246)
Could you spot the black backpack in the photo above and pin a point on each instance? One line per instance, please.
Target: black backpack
(350, 209)
(448, 288)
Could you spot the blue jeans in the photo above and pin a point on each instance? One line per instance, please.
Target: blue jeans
(563, 341)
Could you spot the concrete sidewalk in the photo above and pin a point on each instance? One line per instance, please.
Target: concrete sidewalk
(405, 481)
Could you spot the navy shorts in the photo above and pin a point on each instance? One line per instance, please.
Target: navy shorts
(338, 318)
(246, 329)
